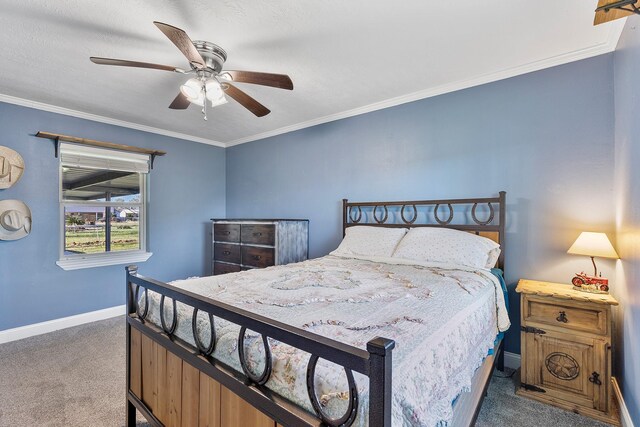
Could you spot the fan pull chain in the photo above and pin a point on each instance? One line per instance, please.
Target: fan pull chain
(204, 104)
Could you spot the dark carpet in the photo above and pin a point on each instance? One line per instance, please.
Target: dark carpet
(76, 377)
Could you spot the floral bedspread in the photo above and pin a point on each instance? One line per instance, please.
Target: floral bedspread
(444, 319)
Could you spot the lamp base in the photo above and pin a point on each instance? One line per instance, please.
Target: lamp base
(591, 284)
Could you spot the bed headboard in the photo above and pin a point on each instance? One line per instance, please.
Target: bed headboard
(476, 216)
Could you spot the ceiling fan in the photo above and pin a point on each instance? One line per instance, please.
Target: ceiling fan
(210, 82)
(609, 10)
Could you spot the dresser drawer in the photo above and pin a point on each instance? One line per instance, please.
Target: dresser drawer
(590, 318)
(223, 268)
(226, 252)
(226, 233)
(258, 234)
(257, 257)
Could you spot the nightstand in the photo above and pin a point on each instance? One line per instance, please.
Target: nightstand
(566, 348)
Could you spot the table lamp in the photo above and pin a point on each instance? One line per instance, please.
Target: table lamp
(592, 245)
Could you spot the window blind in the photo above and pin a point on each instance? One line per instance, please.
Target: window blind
(81, 156)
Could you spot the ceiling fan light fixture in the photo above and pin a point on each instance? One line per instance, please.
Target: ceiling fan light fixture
(214, 92)
(192, 89)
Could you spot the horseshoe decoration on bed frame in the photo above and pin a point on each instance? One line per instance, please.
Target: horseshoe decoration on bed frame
(162, 368)
(467, 219)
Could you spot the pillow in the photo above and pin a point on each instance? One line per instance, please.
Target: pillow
(433, 244)
(494, 254)
(365, 240)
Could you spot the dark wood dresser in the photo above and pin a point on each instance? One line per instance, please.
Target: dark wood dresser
(243, 244)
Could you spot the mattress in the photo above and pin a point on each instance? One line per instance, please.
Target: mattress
(443, 318)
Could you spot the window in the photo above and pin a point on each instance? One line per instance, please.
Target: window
(102, 206)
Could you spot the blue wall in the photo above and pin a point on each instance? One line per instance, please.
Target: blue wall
(627, 180)
(546, 138)
(187, 187)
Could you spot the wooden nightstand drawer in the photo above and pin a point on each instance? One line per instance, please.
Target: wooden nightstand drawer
(587, 318)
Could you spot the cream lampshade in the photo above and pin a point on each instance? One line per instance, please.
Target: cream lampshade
(593, 245)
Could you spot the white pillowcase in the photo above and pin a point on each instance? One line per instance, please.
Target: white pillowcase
(365, 240)
(434, 244)
(494, 254)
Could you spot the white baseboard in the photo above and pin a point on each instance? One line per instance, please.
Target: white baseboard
(625, 417)
(15, 334)
(511, 360)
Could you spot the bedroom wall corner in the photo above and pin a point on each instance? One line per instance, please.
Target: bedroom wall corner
(545, 137)
(627, 185)
(186, 188)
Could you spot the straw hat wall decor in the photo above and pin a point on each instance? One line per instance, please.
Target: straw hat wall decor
(11, 167)
(15, 220)
(15, 215)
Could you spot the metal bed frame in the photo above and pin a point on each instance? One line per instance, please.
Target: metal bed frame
(375, 362)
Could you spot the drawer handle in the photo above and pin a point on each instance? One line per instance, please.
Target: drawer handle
(227, 252)
(562, 317)
(595, 378)
(256, 257)
(227, 232)
(257, 234)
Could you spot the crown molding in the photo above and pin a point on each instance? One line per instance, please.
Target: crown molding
(607, 46)
(102, 119)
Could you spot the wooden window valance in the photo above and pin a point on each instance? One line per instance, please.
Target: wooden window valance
(57, 138)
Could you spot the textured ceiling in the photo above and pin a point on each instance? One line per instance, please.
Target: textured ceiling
(344, 57)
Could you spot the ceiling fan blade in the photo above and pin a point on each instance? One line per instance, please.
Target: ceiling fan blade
(125, 63)
(180, 102)
(245, 100)
(281, 81)
(612, 14)
(182, 42)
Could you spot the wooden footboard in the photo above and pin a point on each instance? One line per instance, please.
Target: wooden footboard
(176, 394)
(173, 383)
